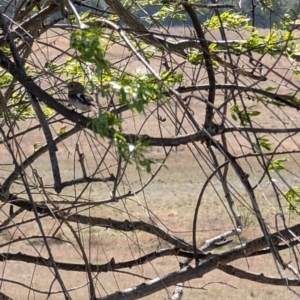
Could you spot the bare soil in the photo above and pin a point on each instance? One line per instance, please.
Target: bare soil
(169, 201)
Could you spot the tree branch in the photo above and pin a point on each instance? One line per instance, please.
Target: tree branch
(204, 266)
(261, 278)
(110, 266)
(27, 162)
(101, 222)
(208, 64)
(285, 99)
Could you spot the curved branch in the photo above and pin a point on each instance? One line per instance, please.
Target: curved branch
(262, 130)
(102, 222)
(32, 21)
(208, 63)
(28, 238)
(261, 278)
(110, 266)
(285, 99)
(27, 162)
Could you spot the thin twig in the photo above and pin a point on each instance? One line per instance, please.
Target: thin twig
(81, 161)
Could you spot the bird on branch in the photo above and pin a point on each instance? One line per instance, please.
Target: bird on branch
(80, 98)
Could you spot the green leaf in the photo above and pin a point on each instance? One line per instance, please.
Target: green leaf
(254, 113)
(105, 123)
(277, 103)
(243, 115)
(5, 79)
(293, 198)
(61, 130)
(36, 146)
(277, 164)
(48, 111)
(263, 142)
(270, 89)
(137, 91)
(230, 20)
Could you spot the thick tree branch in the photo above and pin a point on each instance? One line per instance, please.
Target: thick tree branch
(204, 266)
(208, 63)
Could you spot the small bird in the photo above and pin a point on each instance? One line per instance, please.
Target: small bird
(80, 98)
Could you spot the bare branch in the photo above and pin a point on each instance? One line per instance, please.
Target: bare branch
(204, 266)
(208, 63)
(26, 163)
(261, 278)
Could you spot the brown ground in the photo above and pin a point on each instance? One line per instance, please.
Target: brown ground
(171, 197)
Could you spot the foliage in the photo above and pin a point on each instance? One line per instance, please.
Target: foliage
(88, 44)
(293, 198)
(277, 164)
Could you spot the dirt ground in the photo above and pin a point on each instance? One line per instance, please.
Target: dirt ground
(169, 201)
